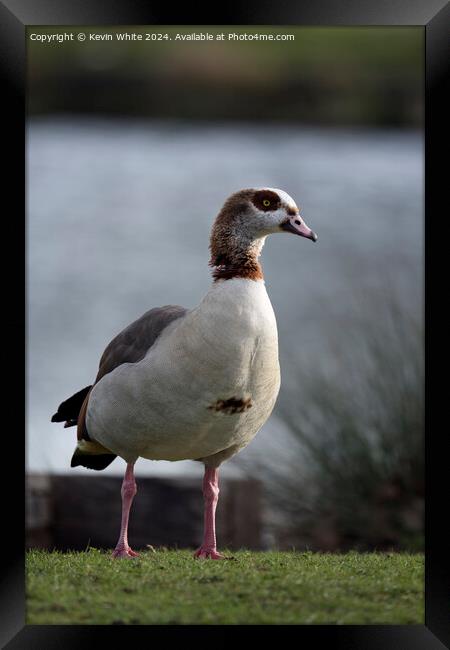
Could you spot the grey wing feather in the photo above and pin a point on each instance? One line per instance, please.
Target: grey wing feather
(133, 342)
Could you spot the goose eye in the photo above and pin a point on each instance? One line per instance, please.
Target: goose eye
(266, 203)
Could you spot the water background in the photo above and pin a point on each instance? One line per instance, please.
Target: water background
(118, 220)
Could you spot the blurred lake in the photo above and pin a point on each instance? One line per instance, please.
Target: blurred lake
(118, 220)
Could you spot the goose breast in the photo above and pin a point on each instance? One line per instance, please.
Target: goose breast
(208, 383)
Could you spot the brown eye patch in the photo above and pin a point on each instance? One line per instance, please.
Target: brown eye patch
(266, 200)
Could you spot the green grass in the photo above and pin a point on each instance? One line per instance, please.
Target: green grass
(170, 587)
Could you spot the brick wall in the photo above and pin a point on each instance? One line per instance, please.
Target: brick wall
(71, 512)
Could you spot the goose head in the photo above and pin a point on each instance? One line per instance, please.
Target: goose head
(242, 225)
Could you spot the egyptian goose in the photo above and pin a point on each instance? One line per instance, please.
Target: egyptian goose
(192, 384)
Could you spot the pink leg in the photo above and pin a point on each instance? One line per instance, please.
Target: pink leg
(211, 496)
(128, 491)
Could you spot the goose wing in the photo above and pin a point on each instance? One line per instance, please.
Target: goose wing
(130, 346)
(132, 343)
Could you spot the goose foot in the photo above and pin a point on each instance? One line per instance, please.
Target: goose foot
(124, 552)
(208, 553)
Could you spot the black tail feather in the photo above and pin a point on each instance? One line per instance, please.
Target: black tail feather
(92, 461)
(69, 410)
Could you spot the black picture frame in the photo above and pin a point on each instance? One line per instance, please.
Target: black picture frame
(15, 16)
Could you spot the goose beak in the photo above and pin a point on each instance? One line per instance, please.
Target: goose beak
(297, 226)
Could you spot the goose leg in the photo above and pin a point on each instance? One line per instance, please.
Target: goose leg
(211, 496)
(128, 491)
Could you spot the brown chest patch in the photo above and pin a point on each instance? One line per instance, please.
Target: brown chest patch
(249, 271)
(232, 405)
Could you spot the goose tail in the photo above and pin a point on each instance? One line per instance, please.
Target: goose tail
(92, 455)
(69, 410)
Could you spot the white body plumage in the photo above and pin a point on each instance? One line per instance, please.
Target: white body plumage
(205, 387)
